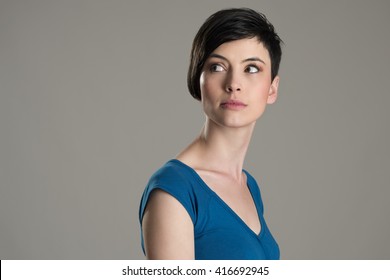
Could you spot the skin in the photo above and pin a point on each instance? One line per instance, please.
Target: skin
(240, 71)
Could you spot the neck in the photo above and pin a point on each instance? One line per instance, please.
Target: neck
(223, 149)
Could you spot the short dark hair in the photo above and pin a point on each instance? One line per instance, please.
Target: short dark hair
(229, 25)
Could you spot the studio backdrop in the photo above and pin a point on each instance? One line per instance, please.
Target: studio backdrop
(93, 99)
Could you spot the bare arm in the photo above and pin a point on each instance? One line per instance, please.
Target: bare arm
(167, 228)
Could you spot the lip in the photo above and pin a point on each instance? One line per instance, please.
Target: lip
(233, 104)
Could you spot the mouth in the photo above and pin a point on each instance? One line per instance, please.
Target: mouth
(233, 104)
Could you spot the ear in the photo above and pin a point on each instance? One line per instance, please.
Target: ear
(273, 91)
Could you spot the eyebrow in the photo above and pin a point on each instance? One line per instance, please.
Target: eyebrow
(255, 58)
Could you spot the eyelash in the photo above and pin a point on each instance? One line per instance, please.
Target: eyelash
(252, 66)
(213, 68)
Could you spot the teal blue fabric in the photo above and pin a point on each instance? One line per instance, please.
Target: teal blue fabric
(219, 232)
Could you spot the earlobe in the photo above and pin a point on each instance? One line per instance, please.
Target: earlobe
(273, 91)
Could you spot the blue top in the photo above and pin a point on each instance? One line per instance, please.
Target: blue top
(220, 234)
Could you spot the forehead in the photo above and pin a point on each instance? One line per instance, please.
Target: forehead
(243, 49)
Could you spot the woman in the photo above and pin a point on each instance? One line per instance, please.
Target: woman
(202, 204)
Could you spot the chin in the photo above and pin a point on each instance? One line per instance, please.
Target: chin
(236, 123)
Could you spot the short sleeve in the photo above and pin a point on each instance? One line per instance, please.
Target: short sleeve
(173, 180)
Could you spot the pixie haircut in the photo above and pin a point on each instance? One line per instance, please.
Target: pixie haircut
(229, 25)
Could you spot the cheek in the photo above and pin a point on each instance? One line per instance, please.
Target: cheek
(260, 90)
(264, 90)
(208, 87)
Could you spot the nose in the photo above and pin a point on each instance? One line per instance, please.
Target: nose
(232, 83)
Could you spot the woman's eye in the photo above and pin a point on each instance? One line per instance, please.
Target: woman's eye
(252, 69)
(216, 68)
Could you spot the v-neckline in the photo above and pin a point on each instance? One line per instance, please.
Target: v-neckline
(223, 203)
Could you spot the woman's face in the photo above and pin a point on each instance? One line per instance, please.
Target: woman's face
(236, 83)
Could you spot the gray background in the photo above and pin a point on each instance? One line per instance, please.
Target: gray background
(93, 100)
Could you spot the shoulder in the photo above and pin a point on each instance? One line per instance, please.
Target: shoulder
(171, 173)
(167, 215)
(173, 177)
(176, 180)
